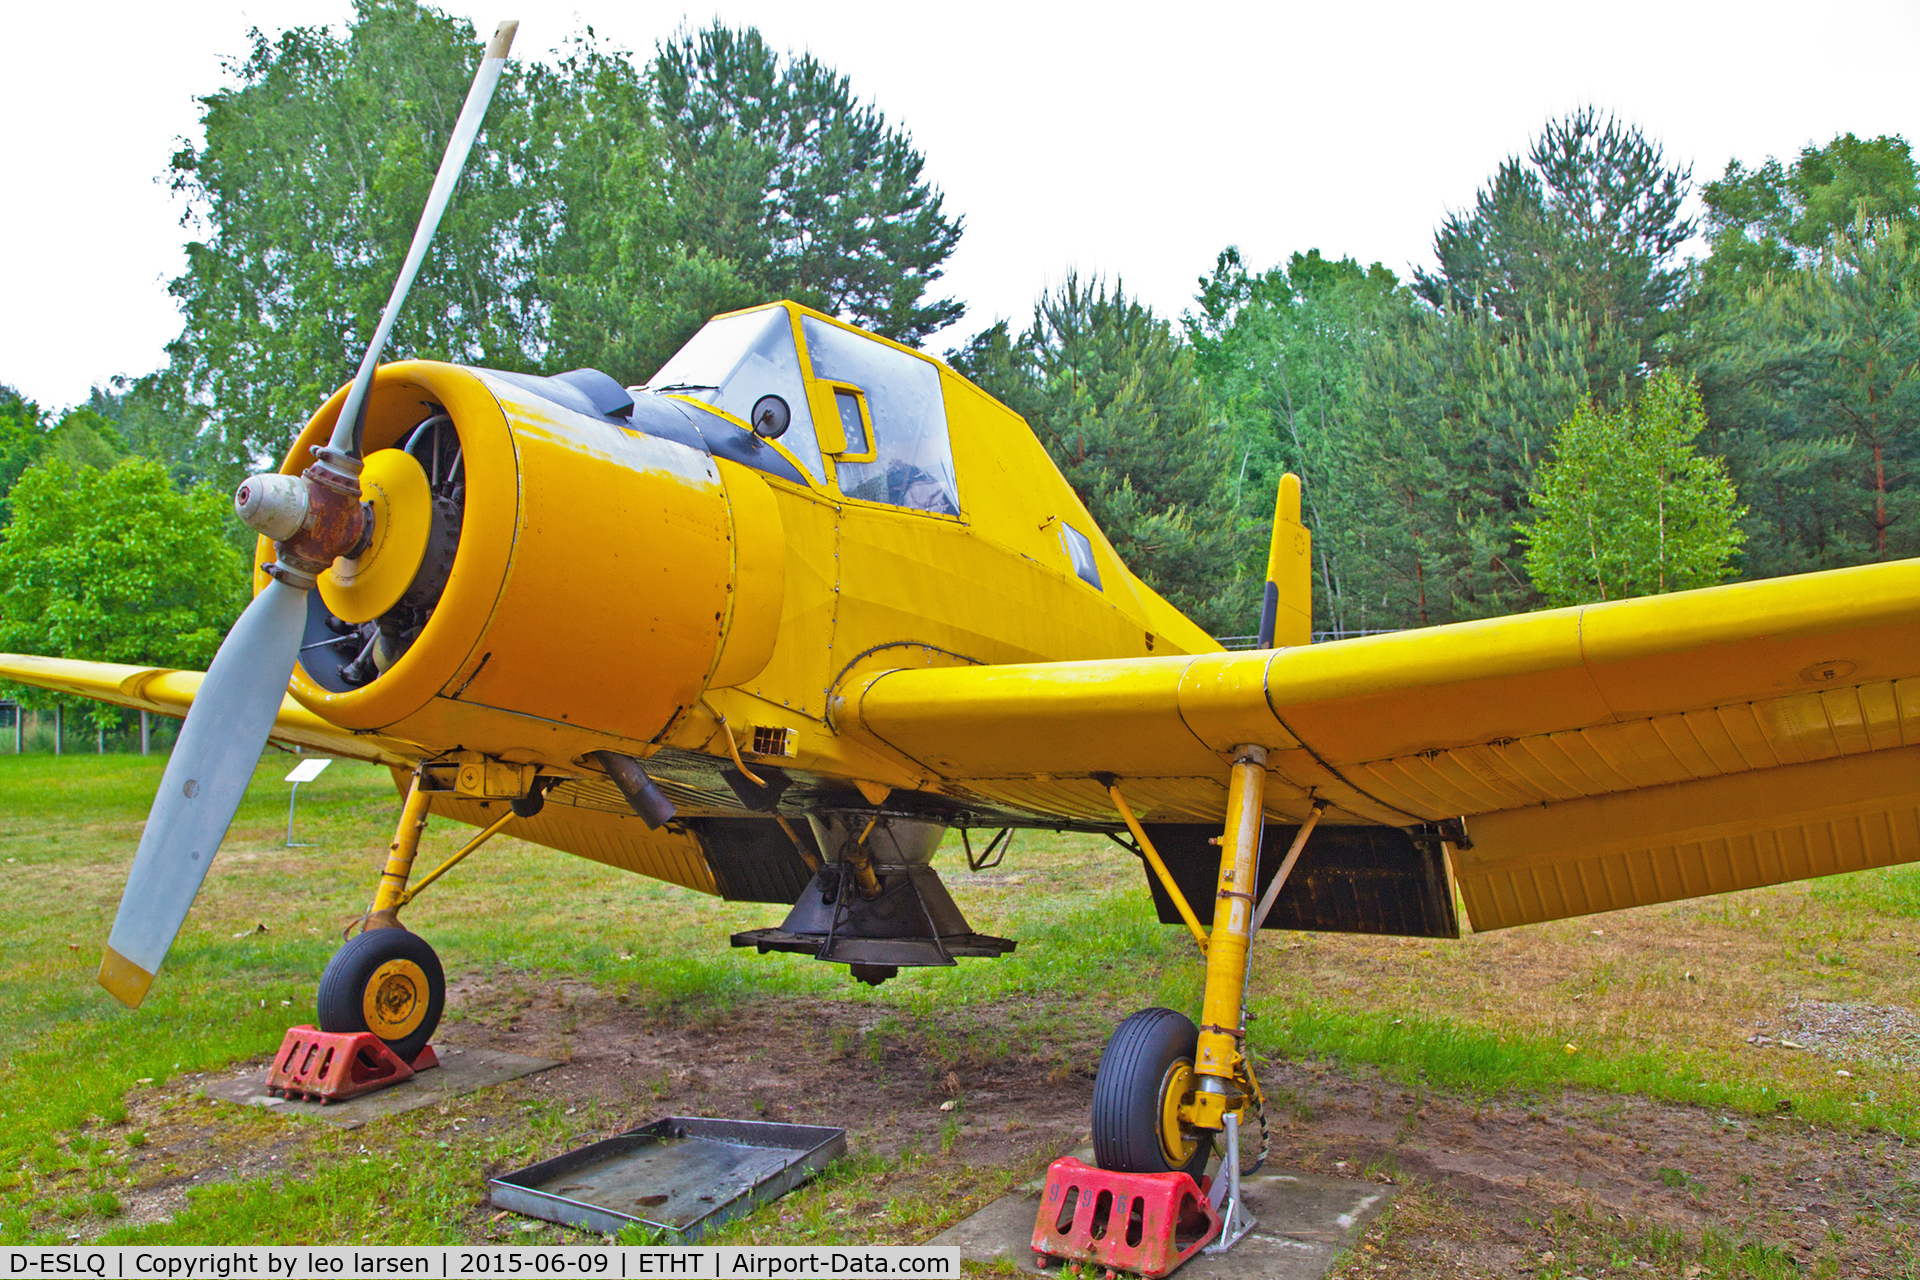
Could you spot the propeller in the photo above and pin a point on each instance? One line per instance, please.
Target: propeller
(313, 518)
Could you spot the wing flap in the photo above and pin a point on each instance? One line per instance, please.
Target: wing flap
(1801, 728)
(1714, 835)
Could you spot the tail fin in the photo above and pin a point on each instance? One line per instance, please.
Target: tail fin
(1286, 613)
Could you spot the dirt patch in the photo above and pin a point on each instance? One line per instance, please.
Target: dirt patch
(190, 1141)
(968, 1114)
(882, 1074)
(1498, 1186)
(1591, 1179)
(1513, 1171)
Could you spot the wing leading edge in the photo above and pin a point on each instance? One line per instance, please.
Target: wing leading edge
(1605, 756)
(169, 693)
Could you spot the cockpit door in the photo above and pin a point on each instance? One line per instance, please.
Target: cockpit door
(882, 418)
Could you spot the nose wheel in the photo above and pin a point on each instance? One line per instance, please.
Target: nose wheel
(387, 981)
(1146, 1072)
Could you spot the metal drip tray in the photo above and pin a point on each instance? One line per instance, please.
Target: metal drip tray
(680, 1176)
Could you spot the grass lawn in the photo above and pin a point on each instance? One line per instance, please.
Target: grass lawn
(102, 1135)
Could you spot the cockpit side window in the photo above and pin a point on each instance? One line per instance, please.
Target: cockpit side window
(911, 457)
(853, 427)
(735, 360)
(1079, 549)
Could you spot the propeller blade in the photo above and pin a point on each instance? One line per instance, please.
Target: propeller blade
(212, 763)
(235, 709)
(346, 432)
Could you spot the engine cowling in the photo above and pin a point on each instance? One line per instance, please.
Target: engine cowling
(531, 571)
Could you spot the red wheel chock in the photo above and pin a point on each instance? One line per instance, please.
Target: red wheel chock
(332, 1066)
(1147, 1223)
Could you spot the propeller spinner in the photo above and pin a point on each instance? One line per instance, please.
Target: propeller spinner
(313, 519)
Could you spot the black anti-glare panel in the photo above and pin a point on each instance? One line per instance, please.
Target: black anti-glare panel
(1349, 879)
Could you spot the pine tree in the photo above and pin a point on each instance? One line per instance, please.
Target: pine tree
(1112, 392)
(1459, 410)
(779, 176)
(1591, 220)
(1815, 386)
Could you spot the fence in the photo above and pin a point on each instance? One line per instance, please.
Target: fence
(1239, 643)
(16, 717)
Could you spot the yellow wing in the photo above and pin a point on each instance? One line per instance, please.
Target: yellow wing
(1602, 757)
(170, 693)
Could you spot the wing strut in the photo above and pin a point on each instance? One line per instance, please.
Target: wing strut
(1153, 860)
(1272, 895)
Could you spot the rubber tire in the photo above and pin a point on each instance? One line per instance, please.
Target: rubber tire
(343, 985)
(1126, 1093)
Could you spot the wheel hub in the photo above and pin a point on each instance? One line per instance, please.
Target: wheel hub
(396, 999)
(1176, 1143)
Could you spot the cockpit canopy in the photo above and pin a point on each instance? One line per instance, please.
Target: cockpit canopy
(866, 416)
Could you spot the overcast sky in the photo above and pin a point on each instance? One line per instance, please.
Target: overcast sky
(1133, 140)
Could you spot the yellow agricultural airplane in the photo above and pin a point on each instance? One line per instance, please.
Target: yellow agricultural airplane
(770, 625)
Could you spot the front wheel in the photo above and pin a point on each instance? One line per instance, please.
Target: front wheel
(389, 982)
(1146, 1072)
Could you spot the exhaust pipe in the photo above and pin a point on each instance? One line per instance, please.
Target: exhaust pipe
(643, 794)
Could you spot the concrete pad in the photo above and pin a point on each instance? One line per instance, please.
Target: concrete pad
(463, 1069)
(1303, 1222)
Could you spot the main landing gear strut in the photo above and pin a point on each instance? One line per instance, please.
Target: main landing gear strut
(1168, 1091)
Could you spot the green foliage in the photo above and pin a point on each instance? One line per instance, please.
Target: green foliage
(1590, 220)
(84, 439)
(1418, 431)
(81, 438)
(1427, 423)
(1112, 393)
(1814, 389)
(1627, 507)
(616, 203)
(606, 212)
(1461, 407)
(775, 169)
(151, 420)
(308, 186)
(1773, 218)
(23, 437)
(729, 178)
(1280, 354)
(607, 273)
(116, 566)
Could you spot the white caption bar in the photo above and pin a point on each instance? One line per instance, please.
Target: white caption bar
(280, 1262)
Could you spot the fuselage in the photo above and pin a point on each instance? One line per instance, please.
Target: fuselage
(620, 569)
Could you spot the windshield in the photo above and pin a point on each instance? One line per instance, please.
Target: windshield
(735, 360)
